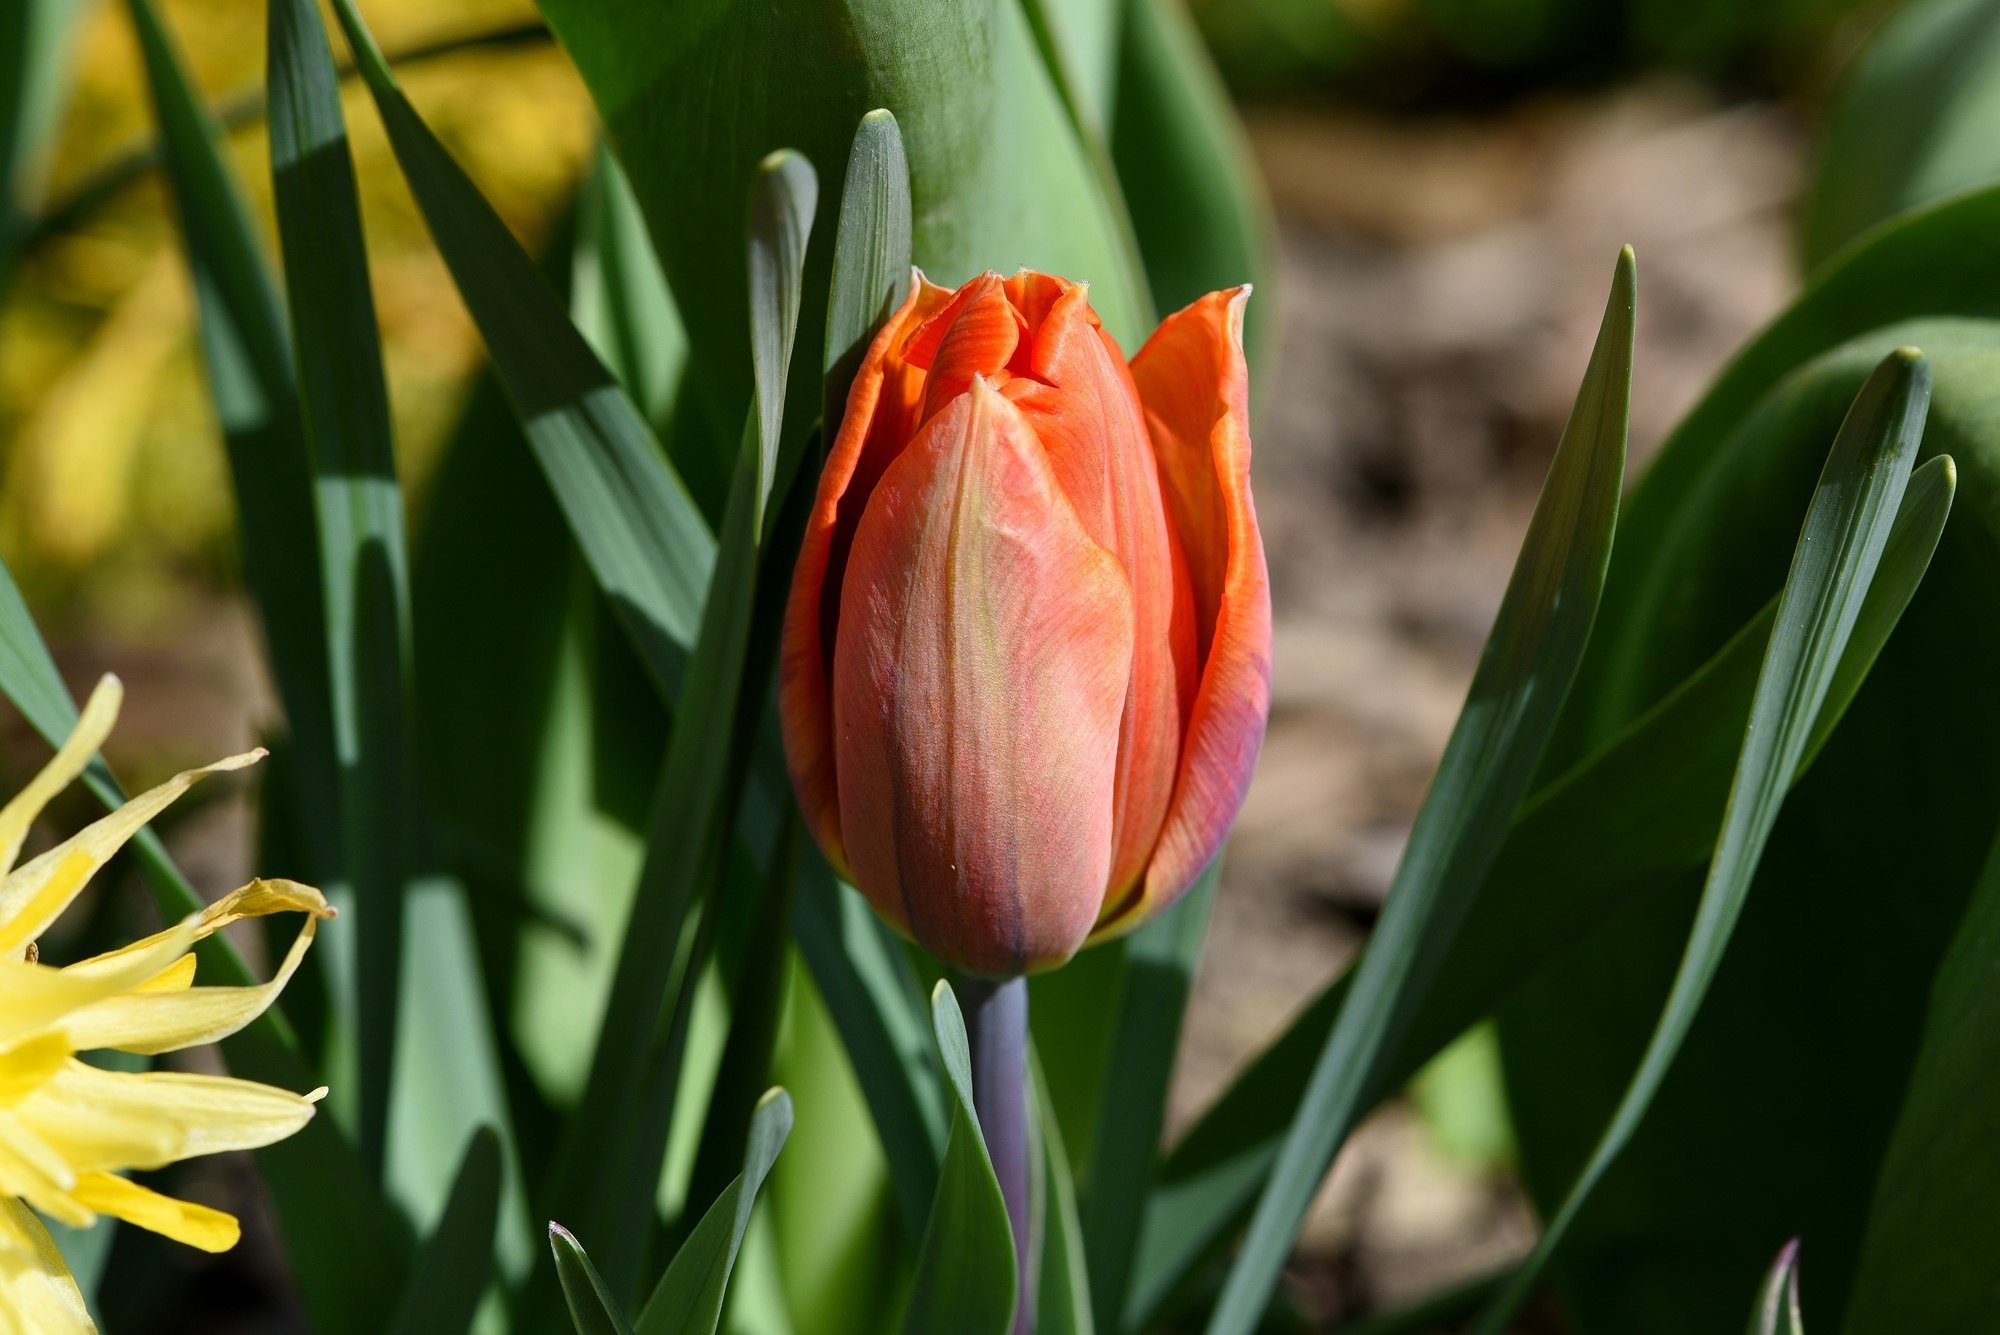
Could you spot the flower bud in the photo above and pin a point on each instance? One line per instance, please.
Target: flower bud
(1027, 651)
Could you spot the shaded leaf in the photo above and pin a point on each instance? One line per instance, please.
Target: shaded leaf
(451, 1271)
(592, 1310)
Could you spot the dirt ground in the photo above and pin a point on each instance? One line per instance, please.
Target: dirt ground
(1440, 284)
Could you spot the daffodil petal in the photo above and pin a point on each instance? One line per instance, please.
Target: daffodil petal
(35, 1171)
(100, 712)
(38, 1296)
(24, 1067)
(105, 1121)
(255, 900)
(35, 894)
(155, 1019)
(183, 1221)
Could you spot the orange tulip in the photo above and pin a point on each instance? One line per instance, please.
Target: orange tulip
(1027, 652)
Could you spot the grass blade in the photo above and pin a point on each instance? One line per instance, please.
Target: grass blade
(364, 570)
(688, 1299)
(1846, 530)
(1159, 972)
(1538, 638)
(965, 1282)
(451, 1272)
(592, 1309)
(640, 532)
(1578, 852)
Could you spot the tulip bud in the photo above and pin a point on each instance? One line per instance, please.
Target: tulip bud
(1027, 652)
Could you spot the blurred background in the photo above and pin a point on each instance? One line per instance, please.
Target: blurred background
(1451, 181)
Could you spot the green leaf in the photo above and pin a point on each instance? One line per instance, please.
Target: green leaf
(781, 218)
(965, 1283)
(998, 178)
(1912, 122)
(592, 1310)
(1063, 1292)
(1202, 220)
(363, 569)
(619, 296)
(1578, 852)
(872, 995)
(1926, 1254)
(1777, 1311)
(619, 1136)
(35, 41)
(247, 352)
(688, 1299)
(871, 255)
(640, 532)
(451, 1272)
(1851, 301)
(1846, 529)
(1537, 640)
(1160, 961)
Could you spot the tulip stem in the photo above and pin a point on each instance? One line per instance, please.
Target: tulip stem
(996, 1019)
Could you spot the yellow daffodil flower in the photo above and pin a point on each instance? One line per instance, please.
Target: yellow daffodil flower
(69, 1129)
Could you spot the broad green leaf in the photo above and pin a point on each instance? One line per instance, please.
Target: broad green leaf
(618, 1138)
(871, 993)
(1160, 961)
(965, 1282)
(452, 1269)
(1196, 202)
(1846, 529)
(1926, 1255)
(998, 178)
(363, 569)
(1852, 300)
(1912, 122)
(1537, 640)
(639, 530)
(1578, 852)
(1777, 1310)
(1872, 862)
(688, 1299)
(871, 255)
(592, 1309)
(1063, 1292)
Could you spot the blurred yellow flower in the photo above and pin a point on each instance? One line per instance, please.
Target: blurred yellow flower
(67, 1128)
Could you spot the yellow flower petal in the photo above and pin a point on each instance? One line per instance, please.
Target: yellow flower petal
(25, 1067)
(254, 900)
(34, 894)
(32, 1169)
(92, 727)
(34, 997)
(158, 1018)
(183, 1221)
(37, 1294)
(107, 1121)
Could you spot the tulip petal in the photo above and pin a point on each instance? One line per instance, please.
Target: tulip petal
(1082, 403)
(976, 334)
(978, 683)
(1194, 384)
(881, 414)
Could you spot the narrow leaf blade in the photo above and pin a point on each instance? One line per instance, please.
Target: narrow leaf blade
(1846, 529)
(592, 1310)
(1537, 641)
